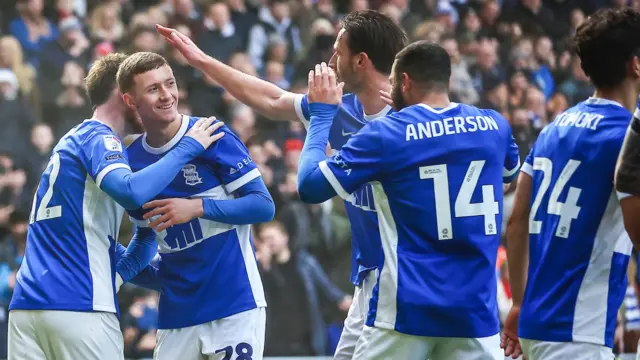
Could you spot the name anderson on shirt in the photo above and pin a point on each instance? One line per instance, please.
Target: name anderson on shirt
(450, 126)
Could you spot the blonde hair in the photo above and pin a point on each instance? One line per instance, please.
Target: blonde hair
(95, 25)
(25, 73)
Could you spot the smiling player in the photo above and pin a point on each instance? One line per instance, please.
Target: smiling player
(211, 301)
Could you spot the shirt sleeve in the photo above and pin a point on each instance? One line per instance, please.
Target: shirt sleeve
(302, 109)
(358, 162)
(231, 161)
(102, 153)
(511, 161)
(527, 167)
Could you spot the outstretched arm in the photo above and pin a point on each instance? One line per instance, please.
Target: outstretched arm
(253, 205)
(107, 163)
(263, 96)
(249, 202)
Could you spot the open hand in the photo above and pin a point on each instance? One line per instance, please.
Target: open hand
(182, 43)
(323, 86)
(203, 132)
(509, 340)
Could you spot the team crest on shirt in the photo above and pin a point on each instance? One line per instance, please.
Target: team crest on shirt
(191, 175)
(112, 143)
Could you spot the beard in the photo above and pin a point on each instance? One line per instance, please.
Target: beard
(398, 100)
(133, 123)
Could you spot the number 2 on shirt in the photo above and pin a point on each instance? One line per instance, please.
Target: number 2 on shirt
(488, 208)
(44, 212)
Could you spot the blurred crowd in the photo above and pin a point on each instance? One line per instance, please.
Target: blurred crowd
(509, 55)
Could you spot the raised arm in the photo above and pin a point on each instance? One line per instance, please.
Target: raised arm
(112, 173)
(263, 96)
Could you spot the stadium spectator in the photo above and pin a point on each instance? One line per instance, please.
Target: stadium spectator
(294, 285)
(273, 18)
(32, 29)
(219, 38)
(12, 58)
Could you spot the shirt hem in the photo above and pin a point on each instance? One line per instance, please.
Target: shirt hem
(164, 326)
(93, 308)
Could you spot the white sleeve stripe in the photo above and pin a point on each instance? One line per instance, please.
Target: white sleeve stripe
(508, 173)
(298, 106)
(108, 169)
(622, 196)
(636, 113)
(243, 180)
(331, 178)
(140, 223)
(119, 282)
(527, 169)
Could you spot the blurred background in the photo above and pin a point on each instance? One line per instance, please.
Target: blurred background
(509, 55)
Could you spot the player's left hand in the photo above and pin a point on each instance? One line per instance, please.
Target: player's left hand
(323, 86)
(172, 212)
(509, 341)
(194, 55)
(386, 97)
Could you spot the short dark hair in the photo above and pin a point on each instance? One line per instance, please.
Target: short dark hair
(101, 79)
(137, 63)
(605, 42)
(376, 35)
(426, 63)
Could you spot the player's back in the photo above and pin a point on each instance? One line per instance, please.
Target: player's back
(442, 173)
(69, 258)
(207, 269)
(579, 249)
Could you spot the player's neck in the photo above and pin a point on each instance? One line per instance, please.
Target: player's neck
(624, 94)
(436, 100)
(369, 95)
(157, 136)
(113, 118)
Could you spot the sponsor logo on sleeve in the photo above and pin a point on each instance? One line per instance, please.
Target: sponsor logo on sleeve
(112, 143)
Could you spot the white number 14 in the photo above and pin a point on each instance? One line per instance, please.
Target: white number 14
(488, 208)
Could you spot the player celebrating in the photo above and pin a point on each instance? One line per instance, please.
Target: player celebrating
(438, 168)
(211, 301)
(364, 52)
(567, 221)
(68, 274)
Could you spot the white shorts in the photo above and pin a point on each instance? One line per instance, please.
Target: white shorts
(354, 323)
(383, 344)
(239, 336)
(538, 350)
(69, 335)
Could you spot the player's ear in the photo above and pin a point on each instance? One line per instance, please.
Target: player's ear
(406, 82)
(362, 59)
(635, 66)
(129, 101)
